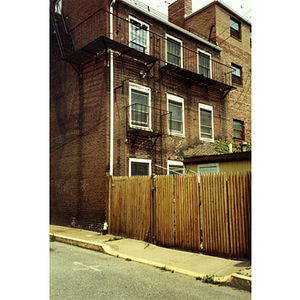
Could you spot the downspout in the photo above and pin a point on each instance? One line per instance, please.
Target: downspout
(111, 36)
(210, 32)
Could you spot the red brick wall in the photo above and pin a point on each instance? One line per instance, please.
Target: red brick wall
(79, 117)
(237, 104)
(178, 10)
(79, 141)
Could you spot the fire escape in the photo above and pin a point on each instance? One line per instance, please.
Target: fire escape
(91, 37)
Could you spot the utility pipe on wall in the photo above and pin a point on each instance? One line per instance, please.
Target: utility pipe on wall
(111, 36)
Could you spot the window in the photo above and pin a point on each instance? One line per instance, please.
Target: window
(238, 129)
(175, 167)
(235, 28)
(139, 167)
(208, 168)
(140, 110)
(236, 74)
(176, 114)
(138, 35)
(250, 37)
(204, 63)
(206, 122)
(174, 51)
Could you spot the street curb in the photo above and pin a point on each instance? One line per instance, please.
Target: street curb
(240, 281)
(77, 242)
(233, 280)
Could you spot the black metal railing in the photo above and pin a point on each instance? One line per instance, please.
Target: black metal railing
(146, 118)
(147, 42)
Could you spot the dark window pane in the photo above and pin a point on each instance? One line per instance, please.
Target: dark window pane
(175, 117)
(204, 64)
(238, 129)
(206, 123)
(173, 52)
(174, 169)
(139, 169)
(139, 108)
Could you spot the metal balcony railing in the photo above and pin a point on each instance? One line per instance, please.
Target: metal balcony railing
(135, 39)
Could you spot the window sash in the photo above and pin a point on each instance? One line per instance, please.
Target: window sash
(204, 64)
(236, 74)
(139, 108)
(206, 123)
(173, 52)
(234, 28)
(238, 129)
(175, 117)
(138, 35)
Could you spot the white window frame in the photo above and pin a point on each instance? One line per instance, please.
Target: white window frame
(210, 108)
(208, 54)
(147, 36)
(175, 163)
(181, 101)
(140, 160)
(207, 166)
(181, 49)
(143, 89)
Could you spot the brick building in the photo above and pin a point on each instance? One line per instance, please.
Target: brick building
(133, 92)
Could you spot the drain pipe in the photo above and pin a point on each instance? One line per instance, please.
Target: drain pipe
(111, 36)
(154, 216)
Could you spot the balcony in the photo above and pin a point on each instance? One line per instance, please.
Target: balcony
(145, 124)
(134, 39)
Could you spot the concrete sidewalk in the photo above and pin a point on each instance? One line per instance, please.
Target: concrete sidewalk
(235, 273)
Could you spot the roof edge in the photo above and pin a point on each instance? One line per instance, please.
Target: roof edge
(223, 5)
(180, 29)
(240, 156)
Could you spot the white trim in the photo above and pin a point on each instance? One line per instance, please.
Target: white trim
(147, 36)
(210, 108)
(179, 100)
(144, 89)
(208, 54)
(181, 49)
(175, 163)
(208, 166)
(141, 160)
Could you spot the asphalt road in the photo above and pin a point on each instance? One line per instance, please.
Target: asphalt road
(77, 273)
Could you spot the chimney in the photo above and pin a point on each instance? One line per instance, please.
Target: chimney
(178, 10)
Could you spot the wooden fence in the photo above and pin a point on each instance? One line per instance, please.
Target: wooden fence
(167, 207)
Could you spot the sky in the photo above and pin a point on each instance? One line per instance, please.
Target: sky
(243, 7)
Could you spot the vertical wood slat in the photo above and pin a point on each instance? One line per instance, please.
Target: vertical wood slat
(226, 211)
